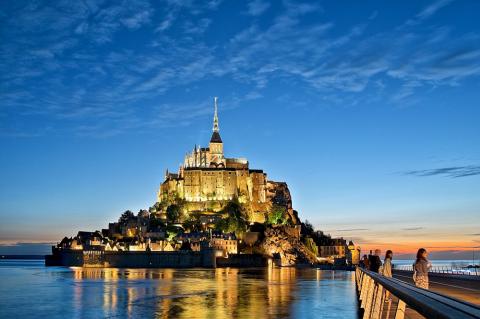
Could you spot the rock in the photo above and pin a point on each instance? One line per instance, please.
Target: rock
(291, 250)
(279, 194)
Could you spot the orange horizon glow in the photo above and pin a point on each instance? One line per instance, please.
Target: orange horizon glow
(411, 248)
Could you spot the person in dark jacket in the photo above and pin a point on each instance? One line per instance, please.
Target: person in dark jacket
(374, 260)
(364, 262)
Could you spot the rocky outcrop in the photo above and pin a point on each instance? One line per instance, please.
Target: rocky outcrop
(278, 240)
(279, 194)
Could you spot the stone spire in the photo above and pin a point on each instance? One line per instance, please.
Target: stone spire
(215, 117)
(215, 135)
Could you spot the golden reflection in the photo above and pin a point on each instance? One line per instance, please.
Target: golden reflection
(193, 293)
(109, 290)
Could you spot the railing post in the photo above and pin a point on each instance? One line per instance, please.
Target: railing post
(369, 298)
(378, 302)
(400, 313)
(364, 291)
(373, 290)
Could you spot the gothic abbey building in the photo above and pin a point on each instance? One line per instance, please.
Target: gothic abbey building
(207, 177)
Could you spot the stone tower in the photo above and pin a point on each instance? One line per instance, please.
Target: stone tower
(216, 144)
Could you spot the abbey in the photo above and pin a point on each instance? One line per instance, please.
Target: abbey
(206, 175)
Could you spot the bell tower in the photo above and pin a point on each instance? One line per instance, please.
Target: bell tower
(216, 144)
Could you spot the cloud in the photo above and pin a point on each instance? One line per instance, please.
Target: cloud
(198, 27)
(66, 63)
(453, 172)
(257, 7)
(138, 19)
(427, 12)
(413, 228)
(352, 229)
(432, 8)
(166, 22)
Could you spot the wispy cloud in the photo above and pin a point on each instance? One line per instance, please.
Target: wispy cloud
(65, 61)
(454, 172)
(257, 7)
(351, 229)
(412, 228)
(432, 8)
(425, 13)
(198, 27)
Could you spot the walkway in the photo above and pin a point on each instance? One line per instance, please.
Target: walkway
(382, 297)
(464, 288)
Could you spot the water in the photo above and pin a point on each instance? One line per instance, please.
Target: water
(438, 262)
(442, 266)
(28, 289)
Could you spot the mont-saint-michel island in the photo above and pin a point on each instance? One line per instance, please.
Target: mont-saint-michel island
(215, 211)
(214, 159)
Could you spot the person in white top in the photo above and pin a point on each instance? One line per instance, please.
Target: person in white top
(387, 271)
(421, 268)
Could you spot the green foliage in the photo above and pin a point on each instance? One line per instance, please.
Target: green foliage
(154, 222)
(307, 228)
(232, 208)
(192, 223)
(221, 225)
(233, 222)
(126, 216)
(172, 232)
(173, 198)
(173, 213)
(157, 207)
(310, 244)
(278, 216)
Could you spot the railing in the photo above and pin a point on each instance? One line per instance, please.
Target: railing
(382, 297)
(473, 271)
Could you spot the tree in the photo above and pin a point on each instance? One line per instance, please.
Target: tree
(278, 215)
(233, 209)
(155, 222)
(234, 221)
(173, 213)
(172, 232)
(310, 244)
(307, 228)
(126, 216)
(192, 223)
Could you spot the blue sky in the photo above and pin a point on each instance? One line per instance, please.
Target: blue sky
(368, 110)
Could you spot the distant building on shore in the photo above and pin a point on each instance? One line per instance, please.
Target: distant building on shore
(337, 250)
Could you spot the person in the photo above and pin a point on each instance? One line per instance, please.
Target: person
(374, 261)
(387, 264)
(421, 268)
(387, 271)
(365, 263)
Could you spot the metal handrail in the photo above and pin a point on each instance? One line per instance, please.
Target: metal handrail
(372, 288)
(444, 270)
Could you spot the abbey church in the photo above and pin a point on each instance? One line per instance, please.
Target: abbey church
(207, 176)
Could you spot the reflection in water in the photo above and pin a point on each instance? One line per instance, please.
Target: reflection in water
(184, 293)
(219, 293)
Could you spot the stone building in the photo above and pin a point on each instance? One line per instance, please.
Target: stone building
(207, 176)
(353, 254)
